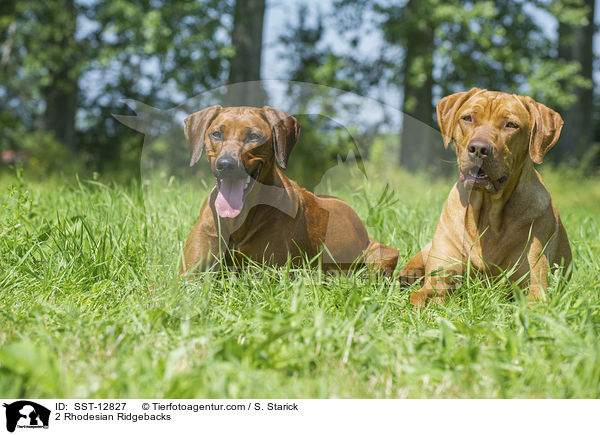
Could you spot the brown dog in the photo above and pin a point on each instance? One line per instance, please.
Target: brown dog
(260, 213)
(499, 215)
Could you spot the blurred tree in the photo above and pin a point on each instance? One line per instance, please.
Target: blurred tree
(323, 142)
(60, 91)
(450, 46)
(575, 44)
(40, 59)
(247, 40)
(67, 64)
(413, 26)
(493, 45)
(159, 52)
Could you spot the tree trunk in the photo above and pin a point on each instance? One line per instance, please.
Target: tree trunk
(61, 95)
(245, 66)
(418, 136)
(61, 107)
(575, 44)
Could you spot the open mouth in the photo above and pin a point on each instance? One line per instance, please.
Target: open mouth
(478, 178)
(233, 190)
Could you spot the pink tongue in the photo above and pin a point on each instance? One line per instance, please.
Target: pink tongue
(230, 200)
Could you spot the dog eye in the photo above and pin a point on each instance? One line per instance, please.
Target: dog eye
(253, 137)
(217, 135)
(467, 118)
(511, 125)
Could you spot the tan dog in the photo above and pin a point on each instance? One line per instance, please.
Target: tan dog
(499, 214)
(262, 214)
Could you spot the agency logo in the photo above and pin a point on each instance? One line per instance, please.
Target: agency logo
(25, 414)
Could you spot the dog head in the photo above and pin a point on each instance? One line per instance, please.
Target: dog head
(494, 133)
(242, 145)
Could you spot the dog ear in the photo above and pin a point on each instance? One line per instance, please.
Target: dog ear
(546, 125)
(446, 112)
(195, 127)
(286, 131)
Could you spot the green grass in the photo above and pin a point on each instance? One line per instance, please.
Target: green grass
(90, 306)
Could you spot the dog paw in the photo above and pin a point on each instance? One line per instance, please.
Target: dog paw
(418, 299)
(421, 298)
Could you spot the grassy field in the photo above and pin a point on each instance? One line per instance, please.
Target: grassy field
(90, 306)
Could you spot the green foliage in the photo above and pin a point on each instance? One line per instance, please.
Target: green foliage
(159, 52)
(91, 306)
(311, 60)
(572, 12)
(47, 155)
(323, 145)
(498, 45)
(323, 142)
(554, 82)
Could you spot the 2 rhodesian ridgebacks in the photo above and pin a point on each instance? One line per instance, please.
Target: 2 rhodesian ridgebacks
(499, 215)
(259, 212)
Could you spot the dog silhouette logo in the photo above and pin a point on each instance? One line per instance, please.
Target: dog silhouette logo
(26, 414)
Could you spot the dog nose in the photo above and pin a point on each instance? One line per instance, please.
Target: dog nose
(479, 148)
(225, 164)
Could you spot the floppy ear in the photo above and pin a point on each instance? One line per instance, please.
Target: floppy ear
(546, 125)
(286, 131)
(446, 112)
(195, 127)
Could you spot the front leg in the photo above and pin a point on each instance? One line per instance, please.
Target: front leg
(202, 248)
(200, 253)
(444, 267)
(414, 270)
(440, 280)
(538, 266)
